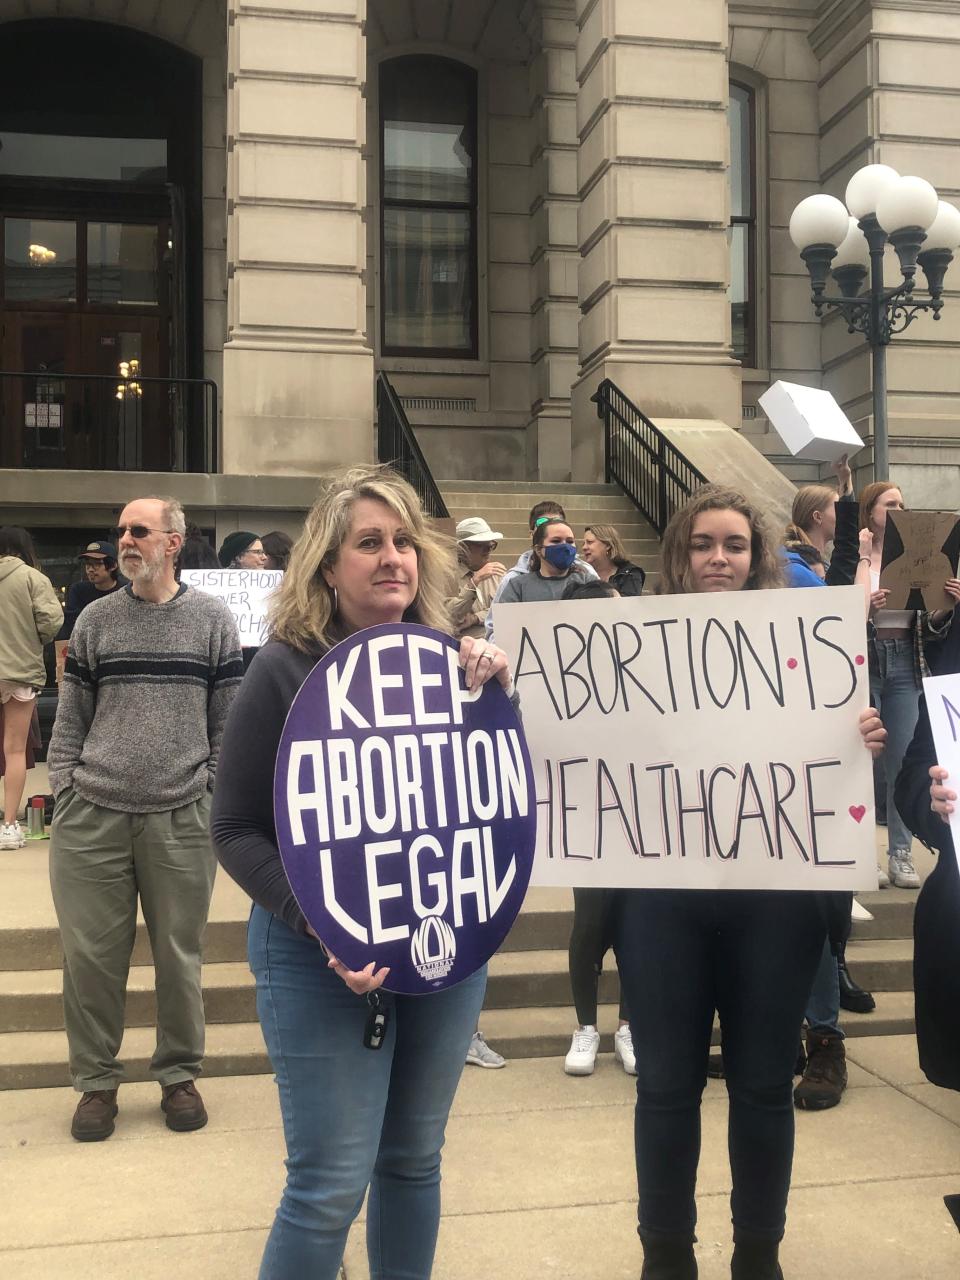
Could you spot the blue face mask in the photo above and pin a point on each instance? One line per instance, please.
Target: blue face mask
(560, 554)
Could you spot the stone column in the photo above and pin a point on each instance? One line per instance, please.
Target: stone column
(554, 247)
(298, 368)
(651, 118)
(889, 85)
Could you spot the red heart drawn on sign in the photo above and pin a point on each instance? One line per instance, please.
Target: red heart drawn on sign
(792, 664)
(857, 812)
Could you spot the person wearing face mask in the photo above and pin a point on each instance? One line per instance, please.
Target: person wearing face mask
(552, 566)
(548, 510)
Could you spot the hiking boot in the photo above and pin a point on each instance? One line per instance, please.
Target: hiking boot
(902, 872)
(825, 1078)
(94, 1116)
(183, 1107)
(755, 1259)
(668, 1258)
(582, 1055)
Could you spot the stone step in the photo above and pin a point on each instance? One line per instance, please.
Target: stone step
(31, 1001)
(37, 1059)
(544, 922)
(539, 490)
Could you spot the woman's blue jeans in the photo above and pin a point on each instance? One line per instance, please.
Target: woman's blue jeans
(896, 695)
(684, 953)
(355, 1117)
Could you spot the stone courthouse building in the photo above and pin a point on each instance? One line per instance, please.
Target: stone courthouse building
(496, 203)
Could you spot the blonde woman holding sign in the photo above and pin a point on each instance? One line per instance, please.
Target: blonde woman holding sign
(750, 956)
(352, 1118)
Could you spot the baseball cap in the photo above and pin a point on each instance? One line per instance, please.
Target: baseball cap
(476, 529)
(98, 551)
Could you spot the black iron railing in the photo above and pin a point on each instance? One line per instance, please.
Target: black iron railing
(397, 445)
(102, 422)
(638, 457)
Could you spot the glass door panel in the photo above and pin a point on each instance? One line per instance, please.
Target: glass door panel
(39, 260)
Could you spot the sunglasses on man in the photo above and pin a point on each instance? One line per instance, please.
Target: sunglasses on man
(137, 531)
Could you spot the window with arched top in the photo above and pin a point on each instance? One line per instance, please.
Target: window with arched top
(743, 223)
(428, 207)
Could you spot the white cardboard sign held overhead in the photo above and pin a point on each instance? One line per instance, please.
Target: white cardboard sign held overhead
(245, 592)
(697, 741)
(943, 707)
(809, 422)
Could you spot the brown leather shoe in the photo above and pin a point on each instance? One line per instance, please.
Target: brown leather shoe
(183, 1106)
(93, 1118)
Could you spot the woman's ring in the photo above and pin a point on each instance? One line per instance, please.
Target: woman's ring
(488, 654)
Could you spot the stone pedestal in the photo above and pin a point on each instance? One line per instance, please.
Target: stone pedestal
(298, 369)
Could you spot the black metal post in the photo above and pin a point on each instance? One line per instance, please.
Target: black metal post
(877, 337)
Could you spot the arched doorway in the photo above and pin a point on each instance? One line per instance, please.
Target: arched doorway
(100, 222)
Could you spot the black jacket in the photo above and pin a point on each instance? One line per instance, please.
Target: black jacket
(628, 579)
(936, 921)
(842, 569)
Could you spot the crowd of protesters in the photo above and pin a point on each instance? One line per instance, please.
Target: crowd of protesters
(162, 759)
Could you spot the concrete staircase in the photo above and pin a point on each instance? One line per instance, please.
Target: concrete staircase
(528, 1012)
(506, 507)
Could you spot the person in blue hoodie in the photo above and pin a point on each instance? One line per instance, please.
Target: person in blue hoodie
(822, 515)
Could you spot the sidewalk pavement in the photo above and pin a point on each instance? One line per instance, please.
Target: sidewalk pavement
(538, 1181)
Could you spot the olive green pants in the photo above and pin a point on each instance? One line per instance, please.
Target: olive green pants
(101, 861)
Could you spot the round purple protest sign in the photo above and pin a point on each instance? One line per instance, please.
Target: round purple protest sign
(405, 808)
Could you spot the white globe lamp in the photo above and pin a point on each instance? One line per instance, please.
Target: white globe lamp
(866, 187)
(818, 220)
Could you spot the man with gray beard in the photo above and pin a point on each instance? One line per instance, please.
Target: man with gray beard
(149, 678)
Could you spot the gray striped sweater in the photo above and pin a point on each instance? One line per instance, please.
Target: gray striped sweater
(144, 699)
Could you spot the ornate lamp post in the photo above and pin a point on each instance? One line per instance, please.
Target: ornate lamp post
(847, 242)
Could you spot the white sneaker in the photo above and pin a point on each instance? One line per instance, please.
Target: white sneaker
(883, 880)
(481, 1055)
(11, 836)
(582, 1057)
(623, 1050)
(902, 872)
(859, 912)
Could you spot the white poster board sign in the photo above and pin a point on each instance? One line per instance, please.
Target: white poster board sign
(245, 592)
(809, 422)
(943, 708)
(698, 741)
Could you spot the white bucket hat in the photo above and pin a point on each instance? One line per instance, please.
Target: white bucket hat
(476, 529)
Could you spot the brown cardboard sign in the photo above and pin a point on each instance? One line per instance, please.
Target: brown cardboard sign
(920, 551)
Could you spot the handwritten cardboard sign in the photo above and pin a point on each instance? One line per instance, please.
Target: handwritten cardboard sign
(920, 551)
(698, 741)
(943, 707)
(404, 806)
(245, 592)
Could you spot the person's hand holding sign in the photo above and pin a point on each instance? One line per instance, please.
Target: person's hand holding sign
(878, 601)
(941, 797)
(360, 982)
(872, 732)
(481, 661)
(951, 588)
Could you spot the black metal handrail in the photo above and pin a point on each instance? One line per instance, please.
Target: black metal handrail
(637, 456)
(110, 422)
(397, 445)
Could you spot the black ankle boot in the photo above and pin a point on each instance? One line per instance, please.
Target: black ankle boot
(852, 998)
(668, 1258)
(755, 1258)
